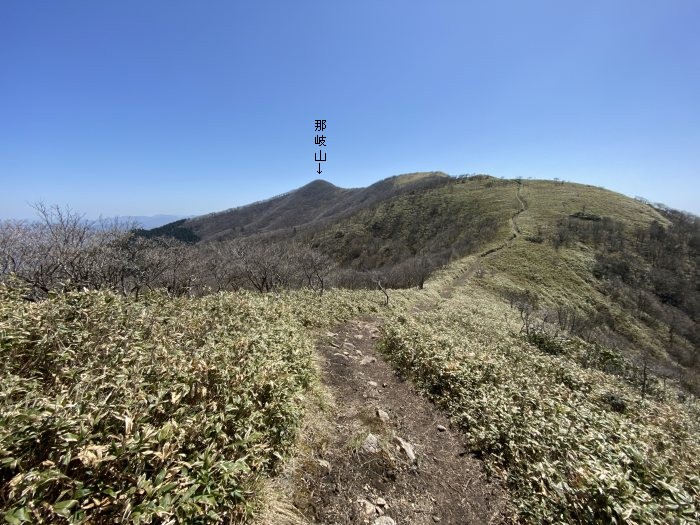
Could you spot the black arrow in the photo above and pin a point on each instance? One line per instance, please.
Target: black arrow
(319, 169)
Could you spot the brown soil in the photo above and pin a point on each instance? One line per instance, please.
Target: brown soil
(340, 481)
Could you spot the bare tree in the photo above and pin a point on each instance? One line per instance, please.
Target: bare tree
(13, 253)
(51, 253)
(526, 301)
(377, 278)
(315, 267)
(266, 267)
(63, 251)
(220, 270)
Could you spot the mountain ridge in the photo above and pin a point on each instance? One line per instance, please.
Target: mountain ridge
(318, 200)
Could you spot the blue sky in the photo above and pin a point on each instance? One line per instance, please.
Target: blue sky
(138, 108)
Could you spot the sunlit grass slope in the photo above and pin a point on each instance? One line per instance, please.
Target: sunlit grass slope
(563, 276)
(549, 201)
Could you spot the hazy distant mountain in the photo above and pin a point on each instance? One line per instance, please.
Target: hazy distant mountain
(148, 222)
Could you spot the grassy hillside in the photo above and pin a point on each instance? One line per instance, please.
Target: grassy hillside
(549, 201)
(449, 221)
(567, 233)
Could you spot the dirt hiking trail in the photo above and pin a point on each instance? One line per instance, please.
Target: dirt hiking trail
(382, 454)
(389, 456)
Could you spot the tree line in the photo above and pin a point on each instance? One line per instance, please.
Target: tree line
(62, 251)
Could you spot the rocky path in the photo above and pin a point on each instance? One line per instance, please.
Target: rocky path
(389, 456)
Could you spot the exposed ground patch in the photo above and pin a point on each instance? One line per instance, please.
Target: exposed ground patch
(387, 453)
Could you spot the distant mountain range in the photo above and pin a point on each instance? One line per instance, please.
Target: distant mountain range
(148, 222)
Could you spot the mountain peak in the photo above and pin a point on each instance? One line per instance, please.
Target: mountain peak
(318, 184)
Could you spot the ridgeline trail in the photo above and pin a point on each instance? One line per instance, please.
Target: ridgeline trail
(379, 453)
(523, 207)
(463, 277)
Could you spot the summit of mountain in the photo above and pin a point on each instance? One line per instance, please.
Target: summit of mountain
(317, 201)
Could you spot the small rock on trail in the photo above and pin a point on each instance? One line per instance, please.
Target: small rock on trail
(370, 444)
(382, 415)
(407, 448)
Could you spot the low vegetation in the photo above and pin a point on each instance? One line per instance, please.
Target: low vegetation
(612, 270)
(439, 225)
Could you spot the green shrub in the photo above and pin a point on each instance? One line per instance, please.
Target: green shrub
(548, 343)
(117, 410)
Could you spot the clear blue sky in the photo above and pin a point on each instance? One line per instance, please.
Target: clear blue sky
(133, 107)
